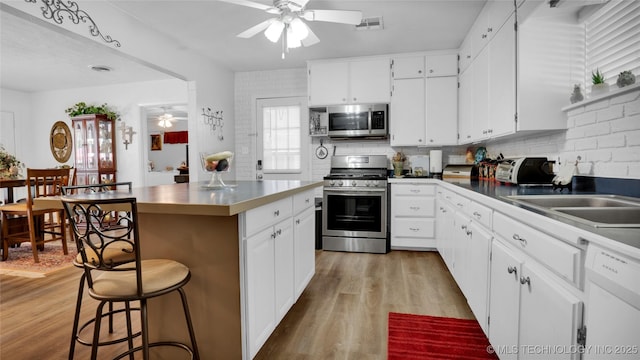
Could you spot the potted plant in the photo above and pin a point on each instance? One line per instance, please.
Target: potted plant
(599, 86)
(9, 165)
(82, 108)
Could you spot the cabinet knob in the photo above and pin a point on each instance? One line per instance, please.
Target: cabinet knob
(419, 140)
(419, 71)
(525, 280)
(276, 213)
(512, 269)
(298, 221)
(489, 29)
(517, 237)
(431, 140)
(355, 99)
(484, 36)
(477, 214)
(468, 56)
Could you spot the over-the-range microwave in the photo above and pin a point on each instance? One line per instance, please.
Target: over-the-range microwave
(358, 121)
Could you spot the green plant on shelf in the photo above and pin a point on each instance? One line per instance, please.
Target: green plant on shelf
(597, 77)
(82, 108)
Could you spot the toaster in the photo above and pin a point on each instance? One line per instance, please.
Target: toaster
(525, 171)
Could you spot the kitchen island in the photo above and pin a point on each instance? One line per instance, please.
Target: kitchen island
(205, 229)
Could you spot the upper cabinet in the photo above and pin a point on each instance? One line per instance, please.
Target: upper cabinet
(94, 148)
(424, 101)
(353, 81)
(517, 79)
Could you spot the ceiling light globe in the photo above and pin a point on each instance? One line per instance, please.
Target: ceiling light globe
(292, 40)
(274, 31)
(299, 28)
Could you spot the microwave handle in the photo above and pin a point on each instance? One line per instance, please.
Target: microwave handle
(370, 115)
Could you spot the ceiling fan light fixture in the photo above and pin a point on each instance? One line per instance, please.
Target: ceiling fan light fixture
(274, 31)
(293, 41)
(299, 29)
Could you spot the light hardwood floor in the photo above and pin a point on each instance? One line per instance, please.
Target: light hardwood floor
(341, 315)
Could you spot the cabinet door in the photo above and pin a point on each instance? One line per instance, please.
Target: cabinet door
(284, 268)
(260, 280)
(442, 65)
(370, 81)
(407, 117)
(549, 315)
(460, 253)
(478, 273)
(465, 54)
(442, 111)
(499, 12)
(502, 82)
(465, 106)
(504, 300)
(410, 67)
(444, 229)
(304, 246)
(328, 83)
(480, 108)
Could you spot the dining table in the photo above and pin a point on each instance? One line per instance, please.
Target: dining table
(10, 184)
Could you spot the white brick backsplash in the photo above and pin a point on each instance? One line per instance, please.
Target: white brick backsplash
(634, 171)
(597, 129)
(633, 138)
(626, 124)
(610, 113)
(609, 169)
(586, 144)
(626, 155)
(625, 98)
(612, 141)
(632, 107)
(585, 118)
(596, 156)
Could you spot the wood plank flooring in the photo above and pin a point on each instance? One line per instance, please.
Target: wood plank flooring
(341, 315)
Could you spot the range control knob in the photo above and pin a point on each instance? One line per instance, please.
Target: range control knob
(367, 183)
(353, 183)
(340, 183)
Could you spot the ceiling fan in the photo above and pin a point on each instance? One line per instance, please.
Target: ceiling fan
(288, 21)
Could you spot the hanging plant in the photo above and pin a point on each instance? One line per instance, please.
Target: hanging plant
(82, 108)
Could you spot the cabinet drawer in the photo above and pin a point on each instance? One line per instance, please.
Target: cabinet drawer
(413, 206)
(412, 189)
(481, 214)
(303, 200)
(557, 255)
(266, 215)
(416, 228)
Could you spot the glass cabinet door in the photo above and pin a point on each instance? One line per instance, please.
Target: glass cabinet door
(79, 143)
(92, 146)
(106, 147)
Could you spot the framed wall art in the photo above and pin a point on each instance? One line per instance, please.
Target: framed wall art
(156, 142)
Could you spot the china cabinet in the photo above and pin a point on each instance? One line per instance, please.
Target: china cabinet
(94, 149)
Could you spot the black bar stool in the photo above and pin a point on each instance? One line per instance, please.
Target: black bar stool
(107, 222)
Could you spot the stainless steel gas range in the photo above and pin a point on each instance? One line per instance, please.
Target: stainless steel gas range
(355, 198)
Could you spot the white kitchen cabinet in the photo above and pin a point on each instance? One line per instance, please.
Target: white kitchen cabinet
(441, 65)
(530, 309)
(442, 111)
(478, 250)
(424, 107)
(480, 105)
(413, 216)
(284, 268)
(465, 106)
(444, 228)
(407, 125)
(356, 81)
(261, 283)
(502, 83)
(504, 303)
(304, 225)
(279, 262)
(407, 67)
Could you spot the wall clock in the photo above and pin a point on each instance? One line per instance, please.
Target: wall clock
(61, 143)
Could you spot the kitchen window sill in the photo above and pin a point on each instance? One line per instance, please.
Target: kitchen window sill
(614, 92)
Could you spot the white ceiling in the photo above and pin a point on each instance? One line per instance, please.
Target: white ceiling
(37, 55)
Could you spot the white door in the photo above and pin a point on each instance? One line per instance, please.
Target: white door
(282, 149)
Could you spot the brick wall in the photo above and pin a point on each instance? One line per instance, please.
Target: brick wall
(604, 133)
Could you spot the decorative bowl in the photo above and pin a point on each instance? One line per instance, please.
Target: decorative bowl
(216, 164)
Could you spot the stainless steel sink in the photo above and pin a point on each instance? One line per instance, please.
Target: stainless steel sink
(595, 210)
(561, 201)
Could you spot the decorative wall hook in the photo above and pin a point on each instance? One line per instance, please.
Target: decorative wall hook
(56, 9)
(127, 134)
(214, 120)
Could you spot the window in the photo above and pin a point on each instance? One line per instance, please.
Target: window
(613, 40)
(281, 129)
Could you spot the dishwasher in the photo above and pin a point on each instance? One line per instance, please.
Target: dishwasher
(613, 298)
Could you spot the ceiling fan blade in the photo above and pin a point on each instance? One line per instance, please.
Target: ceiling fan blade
(248, 3)
(311, 39)
(352, 17)
(256, 29)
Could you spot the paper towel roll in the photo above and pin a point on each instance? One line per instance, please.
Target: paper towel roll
(435, 160)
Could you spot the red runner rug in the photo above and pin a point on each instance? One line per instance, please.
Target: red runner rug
(431, 337)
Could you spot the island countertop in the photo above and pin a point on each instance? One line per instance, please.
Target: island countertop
(196, 199)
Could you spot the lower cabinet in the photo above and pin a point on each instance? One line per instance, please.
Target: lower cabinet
(532, 315)
(279, 262)
(413, 216)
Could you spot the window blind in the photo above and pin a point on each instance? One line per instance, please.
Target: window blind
(613, 40)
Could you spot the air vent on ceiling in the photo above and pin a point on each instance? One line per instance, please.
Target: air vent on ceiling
(372, 23)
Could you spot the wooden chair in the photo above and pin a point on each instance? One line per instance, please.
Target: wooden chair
(135, 281)
(45, 224)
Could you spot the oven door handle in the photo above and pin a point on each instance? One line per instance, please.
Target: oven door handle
(352, 192)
